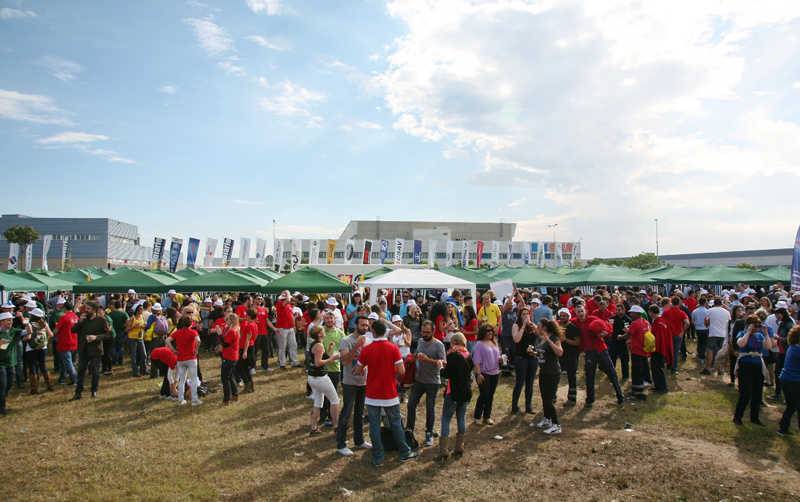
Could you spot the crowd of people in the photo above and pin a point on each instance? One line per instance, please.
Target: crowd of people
(408, 346)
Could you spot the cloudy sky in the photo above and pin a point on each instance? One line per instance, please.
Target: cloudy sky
(213, 118)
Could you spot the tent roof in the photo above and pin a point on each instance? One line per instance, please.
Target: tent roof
(377, 272)
(720, 274)
(533, 276)
(778, 273)
(46, 283)
(265, 273)
(422, 278)
(468, 274)
(78, 276)
(221, 280)
(308, 280)
(140, 280)
(190, 272)
(667, 274)
(605, 275)
(15, 282)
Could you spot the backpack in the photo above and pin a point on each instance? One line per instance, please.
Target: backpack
(160, 326)
(649, 344)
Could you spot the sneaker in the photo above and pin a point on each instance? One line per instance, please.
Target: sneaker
(366, 445)
(553, 429)
(428, 440)
(345, 452)
(488, 421)
(411, 456)
(544, 423)
(784, 432)
(182, 402)
(197, 403)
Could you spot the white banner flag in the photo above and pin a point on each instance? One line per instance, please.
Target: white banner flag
(508, 255)
(449, 260)
(495, 253)
(559, 256)
(541, 253)
(211, 249)
(297, 254)
(261, 251)
(576, 250)
(349, 249)
(244, 252)
(431, 253)
(526, 253)
(399, 245)
(28, 257)
(46, 241)
(278, 253)
(465, 254)
(313, 253)
(13, 255)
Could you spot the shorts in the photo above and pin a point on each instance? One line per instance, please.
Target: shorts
(322, 387)
(714, 343)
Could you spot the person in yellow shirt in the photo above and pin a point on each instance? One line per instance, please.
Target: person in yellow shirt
(135, 328)
(489, 313)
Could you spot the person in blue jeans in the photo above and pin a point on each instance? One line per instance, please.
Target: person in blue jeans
(457, 396)
(383, 363)
(790, 379)
(430, 357)
(523, 332)
(752, 343)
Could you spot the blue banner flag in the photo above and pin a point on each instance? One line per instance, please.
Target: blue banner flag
(796, 263)
(417, 252)
(191, 251)
(384, 251)
(174, 253)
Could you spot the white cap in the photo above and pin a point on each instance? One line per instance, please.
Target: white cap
(207, 300)
(296, 293)
(411, 302)
(218, 303)
(305, 298)
(642, 292)
(781, 305)
(444, 296)
(131, 292)
(636, 309)
(396, 318)
(283, 296)
(536, 299)
(61, 301)
(37, 313)
(373, 316)
(31, 304)
(7, 305)
(157, 307)
(6, 315)
(331, 301)
(297, 311)
(26, 296)
(171, 292)
(564, 311)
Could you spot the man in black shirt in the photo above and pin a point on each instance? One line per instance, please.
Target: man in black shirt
(92, 329)
(618, 342)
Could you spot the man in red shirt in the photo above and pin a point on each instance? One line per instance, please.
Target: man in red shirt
(593, 333)
(66, 343)
(229, 340)
(241, 309)
(662, 357)
(248, 330)
(383, 363)
(640, 368)
(285, 330)
(262, 341)
(184, 342)
(677, 322)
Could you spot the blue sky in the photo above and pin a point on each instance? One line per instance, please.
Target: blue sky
(211, 119)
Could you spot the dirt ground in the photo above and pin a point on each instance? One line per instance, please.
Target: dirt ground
(129, 445)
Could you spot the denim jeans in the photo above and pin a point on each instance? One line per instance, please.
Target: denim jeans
(525, 374)
(138, 356)
(187, 370)
(67, 367)
(449, 408)
(430, 390)
(353, 404)
(593, 359)
(792, 392)
(751, 386)
(393, 415)
(677, 341)
(548, 386)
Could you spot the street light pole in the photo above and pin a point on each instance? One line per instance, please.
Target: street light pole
(553, 226)
(656, 220)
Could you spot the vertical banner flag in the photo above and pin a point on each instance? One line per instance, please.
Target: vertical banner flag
(349, 251)
(449, 261)
(367, 254)
(526, 253)
(399, 244)
(478, 254)
(331, 251)
(384, 254)
(297, 254)
(278, 253)
(559, 255)
(576, 251)
(464, 254)
(191, 251)
(64, 253)
(261, 252)
(244, 252)
(541, 253)
(431, 253)
(508, 253)
(567, 249)
(13, 255)
(495, 252)
(417, 252)
(174, 253)
(313, 252)
(46, 241)
(28, 257)
(158, 252)
(227, 251)
(211, 250)
(795, 284)
(533, 252)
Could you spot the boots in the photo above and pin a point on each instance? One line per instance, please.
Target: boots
(459, 449)
(444, 451)
(248, 388)
(47, 381)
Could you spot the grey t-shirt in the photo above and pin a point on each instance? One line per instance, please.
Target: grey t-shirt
(427, 372)
(349, 377)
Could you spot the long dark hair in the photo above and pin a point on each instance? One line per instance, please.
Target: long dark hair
(438, 309)
(469, 314)
(553, 328)
(520, 317)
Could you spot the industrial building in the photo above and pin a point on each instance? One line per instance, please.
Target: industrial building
(759, 258)
(79, 242)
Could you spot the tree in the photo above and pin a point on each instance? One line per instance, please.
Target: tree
(642, 261)
(21, 235)
(749, 266)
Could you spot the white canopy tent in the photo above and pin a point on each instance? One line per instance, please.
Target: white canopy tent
(416, 278)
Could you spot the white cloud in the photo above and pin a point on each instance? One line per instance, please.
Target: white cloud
(268, 7)
(796, 85)
(603, 106)
(292, 100)
(34, 108)
(211, 37)
(245, 202)
(83, 142)
(9, 13)
(168, 89)
(61, 69)
(518, 202)
(361, 124)
(232, 68)
(269, 43)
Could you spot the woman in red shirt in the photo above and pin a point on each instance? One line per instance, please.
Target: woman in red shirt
(229, 349)
(184, 342)
(470, 329)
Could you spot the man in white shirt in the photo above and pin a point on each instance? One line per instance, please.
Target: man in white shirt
(717, 321)
(699, 315)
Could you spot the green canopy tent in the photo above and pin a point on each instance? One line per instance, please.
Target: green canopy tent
(500, 272)
(15, 282)
(532, 276)
(668, 274)
(779, 273)
(266, 273)
(139, 280)
(377, 272)
(308, 280)
(720, 274)
(190, 272)
(477, 276)
(46, 283)
(170, 275)
(221, 280)
(603, 275)
(78, 276)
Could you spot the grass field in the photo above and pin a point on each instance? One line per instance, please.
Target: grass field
(129, 445)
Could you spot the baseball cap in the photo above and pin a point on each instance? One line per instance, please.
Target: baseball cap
(373, 316)
(207, 300)
(536, 299)
(6, 315)
(305, 298)
(565, 311)
(331, 301)
(157, 307)
(7, 305)
(219, 303)
(31, 304)
(297, 311)
(171, 292)
(781, 305)
(37, 313)
(61, 301)
(411, 302)
(396, 318)
(131, 292)
(636, 309)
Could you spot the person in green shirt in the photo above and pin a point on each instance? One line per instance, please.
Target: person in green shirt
(52, 319)
(119, 318)
(9, 338)
(108, 344)
(331, 335)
